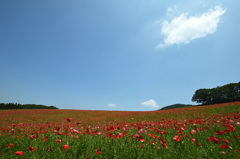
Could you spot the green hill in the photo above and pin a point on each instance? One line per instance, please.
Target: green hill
(176, 106)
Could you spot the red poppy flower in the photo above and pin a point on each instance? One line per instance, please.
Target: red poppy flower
(153, 142)
(177, 138)
(199, 144)
(224, 146)
(180, 133)
(79, 122)
(163, 142)
(19, 153)
(32, 137)
(57, 128)
(113, 136)
(65, 147)
(142, 140)
(193, 131)
(69, 119)
(67, 134)
(120, 136)
(98, 152)
(58, 140)
(31, 148)
(9, 146)
(152, 136)
(164, 145)
(226, 141)
(59, 133)
(160, 138)
(108, 134)
(44, 139)
(231, 128)
(221, 132)
(163, 132)
(186, 136)
(216, 140)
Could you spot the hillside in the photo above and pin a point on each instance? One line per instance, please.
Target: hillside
(176, 106)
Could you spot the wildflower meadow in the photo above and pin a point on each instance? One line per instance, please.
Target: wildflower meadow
(210, 131)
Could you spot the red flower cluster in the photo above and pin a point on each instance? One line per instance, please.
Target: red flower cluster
(19, 153)
(69, 119)
(177, 138)
(65, 147)
(31, 148)
(224, 146)
(214, 139)
(9, 145)
(98, 151)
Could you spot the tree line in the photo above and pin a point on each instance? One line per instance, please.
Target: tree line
(221, 94)
(24, 106)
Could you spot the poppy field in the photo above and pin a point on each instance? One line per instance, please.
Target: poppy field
(210, 131)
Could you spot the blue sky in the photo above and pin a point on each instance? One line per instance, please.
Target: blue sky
(116, 55)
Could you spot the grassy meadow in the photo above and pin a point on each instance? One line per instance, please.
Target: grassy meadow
(210, 131)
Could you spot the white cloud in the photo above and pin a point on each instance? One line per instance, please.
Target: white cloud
(112, 105)
(183, 29)
(151, 103)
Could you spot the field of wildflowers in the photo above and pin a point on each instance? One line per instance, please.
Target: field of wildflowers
(211, 131)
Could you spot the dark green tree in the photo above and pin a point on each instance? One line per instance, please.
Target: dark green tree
(201, 96)
(227, 93)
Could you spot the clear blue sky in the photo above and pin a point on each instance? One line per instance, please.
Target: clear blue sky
(116, 55)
